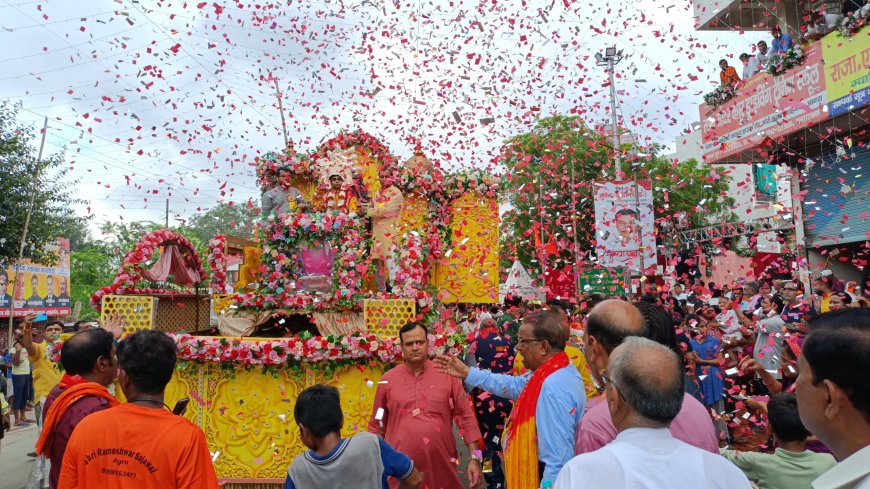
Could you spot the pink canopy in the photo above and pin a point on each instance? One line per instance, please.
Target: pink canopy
(172, 262)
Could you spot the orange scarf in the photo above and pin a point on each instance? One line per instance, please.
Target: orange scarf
(76, 391)
(521, 442)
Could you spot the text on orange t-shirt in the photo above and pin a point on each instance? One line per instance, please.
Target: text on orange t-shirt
(135, 446)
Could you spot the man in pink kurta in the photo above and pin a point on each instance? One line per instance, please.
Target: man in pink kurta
(414, 409)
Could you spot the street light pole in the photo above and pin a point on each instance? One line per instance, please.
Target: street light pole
(610, 59)
(614, 124)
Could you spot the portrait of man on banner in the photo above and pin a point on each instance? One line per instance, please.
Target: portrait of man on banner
(625, 236)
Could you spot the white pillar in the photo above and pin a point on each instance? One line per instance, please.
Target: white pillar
(800, 238)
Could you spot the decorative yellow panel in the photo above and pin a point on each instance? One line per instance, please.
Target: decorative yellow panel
(138, 310)
(187, 382)
(386, 317)
(357, 389)
(470, 272)
(221, 302)
(369, 171)
(247, 414)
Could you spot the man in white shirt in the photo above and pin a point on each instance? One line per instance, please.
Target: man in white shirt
(763, 56)
(833, 393)
(678, 293)
(750, 65)
(644, 394)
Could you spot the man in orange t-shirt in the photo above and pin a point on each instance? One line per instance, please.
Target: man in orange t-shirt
(141, 443)
(728, 75)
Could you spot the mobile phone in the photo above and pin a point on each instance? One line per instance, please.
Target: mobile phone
(41, 317)
(181, 406)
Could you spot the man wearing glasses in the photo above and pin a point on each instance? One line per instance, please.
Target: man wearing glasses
(550, 400)
(794, 310)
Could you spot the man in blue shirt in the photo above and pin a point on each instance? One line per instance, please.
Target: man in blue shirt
(363, 461)
(781, 42)
(562, 399)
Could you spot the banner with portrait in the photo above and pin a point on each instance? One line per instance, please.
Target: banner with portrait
(40, 289)
(625, 225)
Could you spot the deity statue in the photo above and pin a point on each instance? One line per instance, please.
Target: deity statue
(283, 198)
(338, 198)
(385, 212)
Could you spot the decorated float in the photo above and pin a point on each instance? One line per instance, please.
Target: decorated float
(351, 245)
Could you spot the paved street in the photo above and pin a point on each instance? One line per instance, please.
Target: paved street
(15, 465)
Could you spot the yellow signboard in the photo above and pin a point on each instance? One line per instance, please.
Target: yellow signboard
(847, 71)
(39, 288)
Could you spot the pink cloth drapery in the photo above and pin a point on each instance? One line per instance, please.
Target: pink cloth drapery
(172, 262)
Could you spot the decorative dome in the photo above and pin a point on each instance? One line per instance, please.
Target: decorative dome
(419, 163)
(419, 167)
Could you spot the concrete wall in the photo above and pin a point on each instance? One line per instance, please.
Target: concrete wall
(688, 146)
(843, 271)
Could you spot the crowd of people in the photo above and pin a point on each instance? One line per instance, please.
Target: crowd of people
(753, 384)
(780, 43)
(815, 25)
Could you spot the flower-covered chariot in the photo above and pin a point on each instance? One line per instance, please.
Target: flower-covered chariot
(350, 246)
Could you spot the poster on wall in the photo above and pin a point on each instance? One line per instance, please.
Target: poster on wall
(41, 289)
(847, 72)
(624, 225)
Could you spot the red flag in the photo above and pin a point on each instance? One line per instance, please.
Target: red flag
(552, 248)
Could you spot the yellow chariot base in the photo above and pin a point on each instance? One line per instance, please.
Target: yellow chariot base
(247, 414)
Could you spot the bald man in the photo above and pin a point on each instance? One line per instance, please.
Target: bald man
(644, 386)
(608, 325)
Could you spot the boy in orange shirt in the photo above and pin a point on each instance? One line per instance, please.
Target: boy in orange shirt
(141, 443)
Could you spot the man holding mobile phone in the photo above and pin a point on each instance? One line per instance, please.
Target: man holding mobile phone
(45, 372)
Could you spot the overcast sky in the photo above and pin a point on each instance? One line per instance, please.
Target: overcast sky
(157, 100)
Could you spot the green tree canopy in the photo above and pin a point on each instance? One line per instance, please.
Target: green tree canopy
(223, 218)
(53, 197)
(550, 172)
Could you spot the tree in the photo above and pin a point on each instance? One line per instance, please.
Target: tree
(52, 199)
(560, 155)
(227, 219)
(90, 270)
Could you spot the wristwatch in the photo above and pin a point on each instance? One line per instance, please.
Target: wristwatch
(477, 455)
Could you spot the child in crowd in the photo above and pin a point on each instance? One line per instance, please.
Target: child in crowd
(791, 465)
(363, 461)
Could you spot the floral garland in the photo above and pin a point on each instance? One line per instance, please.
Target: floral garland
(217, 261)
(412, 182)
(479, 181)
(270, 163)
(411, 274)
(781, 62)
(720, 95)
(852, 23)
(346, 140)
(281, 264)
(355, 348)
(130, 272)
